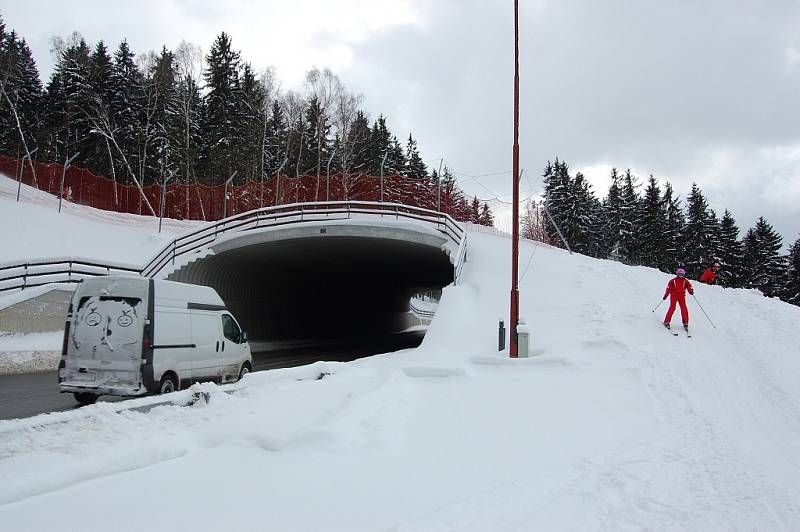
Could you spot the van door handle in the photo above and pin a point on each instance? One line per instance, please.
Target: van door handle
(217, 346)
(223, 345)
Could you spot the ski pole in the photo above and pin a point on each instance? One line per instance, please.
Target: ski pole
(704, 310)
(658, 305)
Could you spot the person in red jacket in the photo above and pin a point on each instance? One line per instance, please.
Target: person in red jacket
(676, 290)
(710, 274)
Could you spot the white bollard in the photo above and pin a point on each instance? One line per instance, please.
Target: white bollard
(523, 339)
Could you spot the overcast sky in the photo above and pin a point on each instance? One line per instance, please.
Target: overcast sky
(687, 91)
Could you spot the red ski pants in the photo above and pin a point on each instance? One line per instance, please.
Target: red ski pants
(684, 311)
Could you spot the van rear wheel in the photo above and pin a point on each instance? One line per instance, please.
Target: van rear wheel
(245, 370)
(85, 398)
(168, 384)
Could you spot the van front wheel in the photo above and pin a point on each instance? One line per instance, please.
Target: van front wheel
(85, 398)
(168, 384)
(245, 370)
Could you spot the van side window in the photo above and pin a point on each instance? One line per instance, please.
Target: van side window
(230, 329)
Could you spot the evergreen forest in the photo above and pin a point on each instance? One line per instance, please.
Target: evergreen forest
(654, 227)
(190, 117)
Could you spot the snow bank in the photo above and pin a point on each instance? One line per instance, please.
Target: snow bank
(29, 361)
(614, 424)
(33, 228)
(26, 353)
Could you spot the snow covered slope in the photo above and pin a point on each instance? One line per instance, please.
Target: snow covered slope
(33, 229)
(613, 425)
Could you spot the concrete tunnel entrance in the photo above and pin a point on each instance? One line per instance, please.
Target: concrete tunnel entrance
(323, 283)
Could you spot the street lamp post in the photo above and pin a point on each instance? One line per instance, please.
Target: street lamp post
(63, 175)
(22, 170)
(225, 195)
(163, 199)
(328, 183)
(278, 180)
(439, 186)
(513, 322)
(383, 162)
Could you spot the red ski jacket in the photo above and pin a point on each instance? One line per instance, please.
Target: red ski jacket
(677, 287)
(708, 277)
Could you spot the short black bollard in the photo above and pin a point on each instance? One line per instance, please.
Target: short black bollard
(501, 336)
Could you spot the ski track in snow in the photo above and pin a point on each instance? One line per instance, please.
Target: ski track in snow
(614, 425)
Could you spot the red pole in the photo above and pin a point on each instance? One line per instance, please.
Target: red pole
(515, 207)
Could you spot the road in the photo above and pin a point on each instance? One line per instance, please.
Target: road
(36, 393)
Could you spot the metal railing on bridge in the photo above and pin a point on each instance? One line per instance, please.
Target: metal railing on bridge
(27, 274)
(33, 273)
(189, 243)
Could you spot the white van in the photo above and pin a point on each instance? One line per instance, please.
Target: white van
(131, 335)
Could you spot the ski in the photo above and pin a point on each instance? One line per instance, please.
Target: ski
(688, 334)
(673, 333)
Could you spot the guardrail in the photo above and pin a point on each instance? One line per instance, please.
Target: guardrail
(296, 213)
(28, 274)
(421, 313)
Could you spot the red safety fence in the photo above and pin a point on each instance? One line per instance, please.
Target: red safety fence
(200, 202)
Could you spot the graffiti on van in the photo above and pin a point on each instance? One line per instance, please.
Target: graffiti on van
(112, 323)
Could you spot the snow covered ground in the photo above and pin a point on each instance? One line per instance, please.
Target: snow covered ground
(34, 229)
(613, 425)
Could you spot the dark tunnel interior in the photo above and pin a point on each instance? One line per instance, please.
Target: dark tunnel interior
(342, 288)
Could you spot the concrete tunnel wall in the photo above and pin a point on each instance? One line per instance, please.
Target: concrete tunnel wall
(322, 281)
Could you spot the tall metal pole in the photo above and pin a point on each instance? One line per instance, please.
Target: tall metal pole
(163, 199)
(63, 175)
(439, 186)
(513, 322)
(382, 163)
(225, 195)
(22, 170)
(278, 180)
(328, 185)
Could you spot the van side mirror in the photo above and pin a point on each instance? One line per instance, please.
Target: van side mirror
(243, 337)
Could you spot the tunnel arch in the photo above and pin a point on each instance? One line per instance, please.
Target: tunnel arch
(323, 280)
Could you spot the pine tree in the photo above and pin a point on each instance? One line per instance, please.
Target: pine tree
(630, 222)
(166, 122)
(189, 141)
(581, 226)
(730, 253)
(73, 67)
(557, 193)
(415, 167)
(223, 101)
(792, 293)
(277, 138)
(379, 143)
(612, 218)
(653, 248)
(674, 230)
(486, 218)
(100, 158)
(698, 234)
(453, 201)
(396, 159)
(765, 268)
(359, 140)
(474, 210)
(20, 97)
(125, 109)
(250, 112)
(317, 147)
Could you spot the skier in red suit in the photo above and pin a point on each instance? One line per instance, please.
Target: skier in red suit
(676, 289)
(710, 274)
